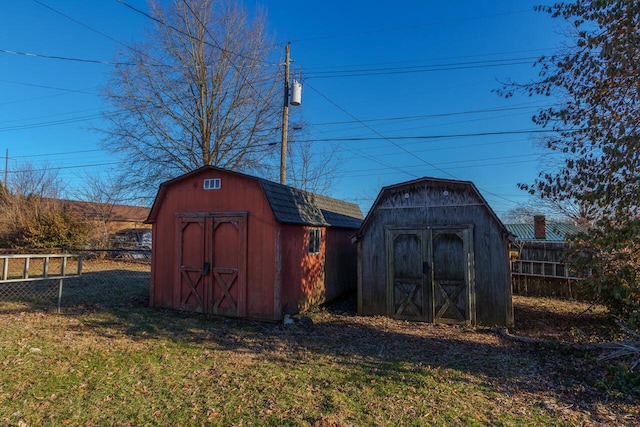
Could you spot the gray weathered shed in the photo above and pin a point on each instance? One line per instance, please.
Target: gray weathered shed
(433, 250)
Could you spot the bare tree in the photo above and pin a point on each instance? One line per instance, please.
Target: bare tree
(31, 215)
(102, 195)
(565, 211)
(32, 189)
(198, 91)
(310, 167)
(29, 180)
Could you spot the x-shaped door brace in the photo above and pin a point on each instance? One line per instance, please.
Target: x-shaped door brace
(225, 286)
(408, 296)
(192, 286)
(447, 300)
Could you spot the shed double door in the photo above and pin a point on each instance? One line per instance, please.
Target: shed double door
(211, 258)
(430, 274)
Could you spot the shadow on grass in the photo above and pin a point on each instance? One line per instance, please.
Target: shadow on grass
(372, 347)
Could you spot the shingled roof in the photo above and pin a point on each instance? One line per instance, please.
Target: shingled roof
(294, 206)
(289, 205)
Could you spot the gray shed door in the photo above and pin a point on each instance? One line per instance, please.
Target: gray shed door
(430, 274)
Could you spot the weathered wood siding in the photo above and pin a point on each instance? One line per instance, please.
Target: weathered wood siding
(424, 204)
(542, 283)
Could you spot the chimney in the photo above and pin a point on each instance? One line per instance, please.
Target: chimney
(539, 227)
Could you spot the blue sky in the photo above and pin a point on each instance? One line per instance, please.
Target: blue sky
(401, 90)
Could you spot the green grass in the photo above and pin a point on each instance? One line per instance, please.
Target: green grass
(133, 365)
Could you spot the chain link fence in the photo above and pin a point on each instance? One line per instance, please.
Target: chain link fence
(109, 278)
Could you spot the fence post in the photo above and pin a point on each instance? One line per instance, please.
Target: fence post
(59, 295)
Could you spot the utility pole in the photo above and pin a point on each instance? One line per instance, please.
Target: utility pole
(6, 169)
(285, 117)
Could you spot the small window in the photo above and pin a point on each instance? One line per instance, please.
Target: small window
(314, 240)
(212, 184)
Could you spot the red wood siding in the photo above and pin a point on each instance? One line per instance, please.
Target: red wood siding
(303, 273)
(237, 194)
(312, 279)
(215, 248)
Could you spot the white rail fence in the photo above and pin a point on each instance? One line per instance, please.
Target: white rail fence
(32, 274)
(543, 269)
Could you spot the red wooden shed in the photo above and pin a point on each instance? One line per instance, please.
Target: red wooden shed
(236, 245)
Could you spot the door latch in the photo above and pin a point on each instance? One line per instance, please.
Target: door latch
(206, 268)
(425, 267)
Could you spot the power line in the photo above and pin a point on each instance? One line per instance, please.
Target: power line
(80, 23)
(98, 32)
(482, 162)
(432, 116)
(47, 87)
(397, 145)
(450, 147)
(63, 153)
(418, 69)
(50, 123)
(52, 168)
(442, 136)
(49, 115)
(63, 58)
(447, 58)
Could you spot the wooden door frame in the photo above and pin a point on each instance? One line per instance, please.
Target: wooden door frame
(207, 221)
(391, 233)
(427, 236)
(177, 283)
(217, 218)
(467, 247)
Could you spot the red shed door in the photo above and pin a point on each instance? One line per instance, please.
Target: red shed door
(228, 268)
(211, 273)
(190, 292)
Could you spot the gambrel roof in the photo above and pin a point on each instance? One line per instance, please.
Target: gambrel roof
(291, 205)
(431, 183)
